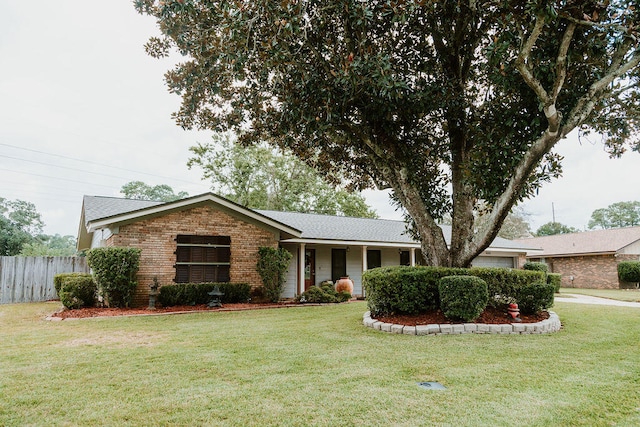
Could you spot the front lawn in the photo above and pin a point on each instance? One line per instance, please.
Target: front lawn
(313, 366)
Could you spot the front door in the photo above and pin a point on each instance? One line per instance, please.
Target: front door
(309, 268)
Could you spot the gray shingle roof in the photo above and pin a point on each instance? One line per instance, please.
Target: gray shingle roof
(97, 207)
(327, 227)
(313, 226)
(586, 242)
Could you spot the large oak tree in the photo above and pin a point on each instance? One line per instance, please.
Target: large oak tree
(450, 104)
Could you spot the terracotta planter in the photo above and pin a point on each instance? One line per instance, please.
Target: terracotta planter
(344, 284)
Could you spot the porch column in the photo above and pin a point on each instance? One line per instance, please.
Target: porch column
(301, 262)
(365, 267)
(412, 257)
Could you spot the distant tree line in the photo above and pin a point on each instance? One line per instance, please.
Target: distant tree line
(21, 232)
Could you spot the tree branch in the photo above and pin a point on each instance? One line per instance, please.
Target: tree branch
(524, 67)
(585, 105)
(561, 60)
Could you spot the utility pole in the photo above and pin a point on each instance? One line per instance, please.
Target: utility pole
(553, 212)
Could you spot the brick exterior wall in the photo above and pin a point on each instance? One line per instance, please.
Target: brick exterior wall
(156, 237)
(594, 271)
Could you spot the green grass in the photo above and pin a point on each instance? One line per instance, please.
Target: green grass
(313, 366)
(632, 295)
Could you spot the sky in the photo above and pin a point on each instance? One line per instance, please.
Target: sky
(84, 110)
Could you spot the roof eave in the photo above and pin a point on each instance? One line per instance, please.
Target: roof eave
(106, 222)
(568, 255)
(336, 242)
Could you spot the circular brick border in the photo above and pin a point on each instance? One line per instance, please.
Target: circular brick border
(552, 324)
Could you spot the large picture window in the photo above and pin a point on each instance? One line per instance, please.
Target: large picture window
(202, 258)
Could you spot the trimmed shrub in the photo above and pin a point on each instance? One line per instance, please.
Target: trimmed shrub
(629, 271)
(78, 291)
(555, 279)
(503, 283)
(536, 297)
(536, 266)
(324, 293)
(463, 297)
(412, 290)
(114, 270)
(198, 293)
(407, 290)
(58, 279)
(272, 266)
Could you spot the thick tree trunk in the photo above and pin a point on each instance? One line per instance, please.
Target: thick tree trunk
(433, 244)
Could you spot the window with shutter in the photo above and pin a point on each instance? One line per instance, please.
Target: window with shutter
(202, 258)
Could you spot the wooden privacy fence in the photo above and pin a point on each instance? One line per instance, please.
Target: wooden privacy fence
(30, 279)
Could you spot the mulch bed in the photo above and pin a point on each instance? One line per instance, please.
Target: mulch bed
(82, 313)
(491, 315)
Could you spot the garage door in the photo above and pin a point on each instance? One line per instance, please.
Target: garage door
(493, 261)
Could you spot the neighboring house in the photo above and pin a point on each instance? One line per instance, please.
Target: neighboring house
(588, 259)
(209, 238)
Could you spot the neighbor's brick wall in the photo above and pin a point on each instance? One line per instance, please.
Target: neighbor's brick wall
(156, 237)
(596, 271)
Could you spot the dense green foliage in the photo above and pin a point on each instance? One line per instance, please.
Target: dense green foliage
(138, 190)
(77, 291)
(20, 223)
(555, 279)
(259, 177)
(198, 293)
(503, 283)
(616, 215)
(55, 245)
(59, 279)
(446, 103)
(553, 228)
(414, 290)
(272, 266)
(463, 297)
(323, 294)
(535, 297)
(629, 271)
(21, 232)
(536, 266)
(114, 270)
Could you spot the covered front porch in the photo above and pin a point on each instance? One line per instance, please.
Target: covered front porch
(314, 262)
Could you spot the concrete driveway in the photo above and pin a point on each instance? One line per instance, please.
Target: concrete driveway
(586, 299)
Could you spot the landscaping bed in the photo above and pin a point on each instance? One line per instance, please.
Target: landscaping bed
(85, 312)
(491, 315)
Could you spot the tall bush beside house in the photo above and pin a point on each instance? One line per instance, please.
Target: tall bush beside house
(272, 266)
(114, 270)
(629, 272)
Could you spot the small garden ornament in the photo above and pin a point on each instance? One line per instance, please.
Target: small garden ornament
(514, 312)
